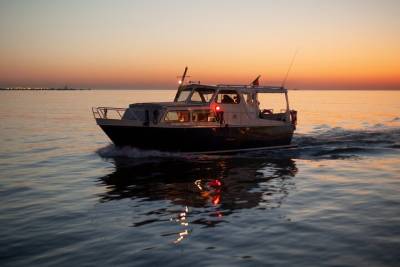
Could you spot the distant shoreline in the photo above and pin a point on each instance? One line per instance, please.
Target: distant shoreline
(344, 89)
(44, 89)
(167, 89)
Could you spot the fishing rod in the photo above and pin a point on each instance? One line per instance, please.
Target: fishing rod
(290, 67)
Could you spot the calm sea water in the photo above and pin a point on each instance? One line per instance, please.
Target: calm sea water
(69, 198)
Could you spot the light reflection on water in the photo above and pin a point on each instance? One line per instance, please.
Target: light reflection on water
(208, 190)
(68, 197)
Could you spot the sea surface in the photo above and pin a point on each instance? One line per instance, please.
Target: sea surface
(68, 197)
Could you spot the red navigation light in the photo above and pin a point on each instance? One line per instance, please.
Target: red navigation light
(215, 183)
(218, 108)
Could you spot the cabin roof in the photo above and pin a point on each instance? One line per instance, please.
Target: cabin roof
(241, 88)
(157, 105)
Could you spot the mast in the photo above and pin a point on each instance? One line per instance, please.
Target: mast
(181, 83)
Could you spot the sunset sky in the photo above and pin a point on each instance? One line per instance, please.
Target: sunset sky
(345, 44)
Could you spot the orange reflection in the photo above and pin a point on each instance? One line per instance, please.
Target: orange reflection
(211, 191)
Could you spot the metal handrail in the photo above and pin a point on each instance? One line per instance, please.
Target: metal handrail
(103, 112)
(250, 86)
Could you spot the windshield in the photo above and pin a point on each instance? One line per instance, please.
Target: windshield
(183, 95)
(202, 95)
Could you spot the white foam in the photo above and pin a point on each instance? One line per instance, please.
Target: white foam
(112, 151)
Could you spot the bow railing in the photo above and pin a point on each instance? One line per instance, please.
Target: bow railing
(108, 113)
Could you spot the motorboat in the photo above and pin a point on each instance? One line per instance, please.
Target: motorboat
(202, 119)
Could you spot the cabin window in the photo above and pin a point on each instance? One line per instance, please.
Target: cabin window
(249, 98)
(202, 95)
(275, 103)
(177, 116)
(228, 97)
(183, 95)
(203, 116)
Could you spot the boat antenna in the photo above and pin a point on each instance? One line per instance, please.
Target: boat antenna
(290, 67)
(182, 78)
(181, 83)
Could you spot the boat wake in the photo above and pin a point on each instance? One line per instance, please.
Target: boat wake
(376, 135)
(323, 142)
(326, 142)
(111, 151)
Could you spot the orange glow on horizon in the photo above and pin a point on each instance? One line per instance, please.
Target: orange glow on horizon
(165, 77)
(345, 45)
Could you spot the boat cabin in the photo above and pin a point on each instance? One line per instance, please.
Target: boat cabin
(205, 105)
(226, 104)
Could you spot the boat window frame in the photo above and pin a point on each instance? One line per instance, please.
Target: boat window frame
(177, 110)
(192, 90)
(202, 88)
(205, 111)
(187, 97)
